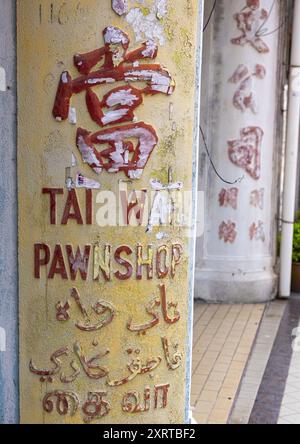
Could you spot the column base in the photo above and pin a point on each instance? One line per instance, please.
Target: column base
(214, 286)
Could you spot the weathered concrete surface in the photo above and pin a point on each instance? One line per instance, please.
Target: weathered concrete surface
(8, 224)
(46, 45)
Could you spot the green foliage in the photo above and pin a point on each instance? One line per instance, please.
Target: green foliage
(296, 243)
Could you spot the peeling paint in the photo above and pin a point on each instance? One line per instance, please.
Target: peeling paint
(156, 185)
(162, 8)
(77, 215)
(85, 182)
(121, 154)
(160, 81)
(115, 36)
(120, 6)
(69, 180)
(116, 156)
(72, 116)
(147, 22)
(161, 236)
(162, 211)
(88, 154)
(73, 160)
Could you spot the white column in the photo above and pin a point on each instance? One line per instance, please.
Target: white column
(291, 161)
(236, 257)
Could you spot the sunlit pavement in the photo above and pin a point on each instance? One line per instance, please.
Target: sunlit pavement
(246, 363)
(223, 339)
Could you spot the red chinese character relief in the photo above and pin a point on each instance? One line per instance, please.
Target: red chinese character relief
(257, 231)
(229, 197)
(245, 98)
(257, 198)
(117, 107)
(250, 21)
(245, 152)
(228, 232)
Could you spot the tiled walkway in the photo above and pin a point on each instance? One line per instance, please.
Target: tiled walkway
(246, 363)
(223, 339)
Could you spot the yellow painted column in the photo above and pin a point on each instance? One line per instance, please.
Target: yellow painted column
(106, 167)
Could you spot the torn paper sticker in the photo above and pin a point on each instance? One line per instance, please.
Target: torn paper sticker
(84, 182)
